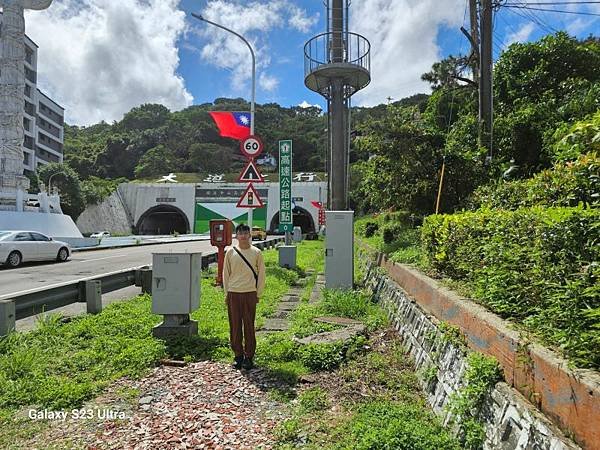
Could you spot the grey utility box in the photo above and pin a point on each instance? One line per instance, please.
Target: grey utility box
(339, 250)
(176, 292)
(297, 235)
(287, 256)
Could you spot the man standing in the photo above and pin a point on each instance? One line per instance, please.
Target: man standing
(243, 283)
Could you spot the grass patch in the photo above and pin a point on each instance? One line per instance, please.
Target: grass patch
(59, 365)
(372, 402)
(394, 234)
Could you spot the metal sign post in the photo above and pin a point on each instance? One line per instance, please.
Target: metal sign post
(286, 221)
(250, 147)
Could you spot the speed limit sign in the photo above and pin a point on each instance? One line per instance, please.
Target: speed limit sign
(252, 146)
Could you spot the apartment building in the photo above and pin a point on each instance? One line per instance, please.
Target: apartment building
(43, 118)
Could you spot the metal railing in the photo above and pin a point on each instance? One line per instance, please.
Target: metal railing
(318, 51)
(88, 290)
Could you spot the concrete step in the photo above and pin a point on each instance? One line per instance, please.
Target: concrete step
(287, 306)
(272, 324)
(337, 320)
(329, 337)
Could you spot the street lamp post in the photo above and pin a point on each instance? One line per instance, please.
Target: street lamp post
(50, 180)
(199, 17)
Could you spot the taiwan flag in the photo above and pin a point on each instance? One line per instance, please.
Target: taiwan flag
(235, 125)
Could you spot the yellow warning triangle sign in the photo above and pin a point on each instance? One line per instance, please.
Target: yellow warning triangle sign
(251, 174)
(250, 199)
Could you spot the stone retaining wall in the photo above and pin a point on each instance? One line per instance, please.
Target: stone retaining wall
(108, 215)
(511, 422)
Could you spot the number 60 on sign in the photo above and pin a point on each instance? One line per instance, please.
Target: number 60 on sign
(252, 146)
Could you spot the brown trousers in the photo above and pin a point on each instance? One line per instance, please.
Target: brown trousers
(241, 309)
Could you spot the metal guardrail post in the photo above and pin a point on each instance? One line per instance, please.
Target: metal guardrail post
(7, 316)
(146, 281)
(143, 279)
(92, 296)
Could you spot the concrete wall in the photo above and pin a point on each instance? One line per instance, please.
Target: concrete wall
(53, 225)
(568, 397)
(139, 198)
(109, 215)
(510, 421)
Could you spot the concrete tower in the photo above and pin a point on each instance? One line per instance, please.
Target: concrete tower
(336, 65)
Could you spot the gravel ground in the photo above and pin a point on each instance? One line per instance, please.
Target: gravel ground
(204, 405)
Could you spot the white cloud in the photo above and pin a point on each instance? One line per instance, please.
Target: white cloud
(305, 104)
(403, 35)
(103, 58)
(521, 35)
(268, 82)
(253, 21)
(300, 21)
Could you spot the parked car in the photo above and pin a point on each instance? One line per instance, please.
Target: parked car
(259, 233)
(100, 234)
(17, 247)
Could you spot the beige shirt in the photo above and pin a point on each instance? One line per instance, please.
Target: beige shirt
(237, 276)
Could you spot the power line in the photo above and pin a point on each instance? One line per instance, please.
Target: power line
(559, 3)
(528, 15)
(581, 13)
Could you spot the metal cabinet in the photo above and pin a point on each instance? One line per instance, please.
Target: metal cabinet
(176, 282)
(339, 250)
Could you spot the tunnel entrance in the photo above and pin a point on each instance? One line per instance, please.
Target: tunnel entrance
(301, 218)
(163, 219)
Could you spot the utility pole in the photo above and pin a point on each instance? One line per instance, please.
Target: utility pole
(474, 39)
(485, 78)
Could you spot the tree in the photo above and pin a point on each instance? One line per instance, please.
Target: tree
(148, 115)
(156, 161)
(67, 181)
(448, 72)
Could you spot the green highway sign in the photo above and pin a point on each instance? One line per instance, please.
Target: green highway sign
(286, 221)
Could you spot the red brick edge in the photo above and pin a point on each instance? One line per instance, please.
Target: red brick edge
(569, 397)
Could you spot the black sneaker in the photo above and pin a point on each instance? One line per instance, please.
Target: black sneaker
(248, 364)
(237, 362)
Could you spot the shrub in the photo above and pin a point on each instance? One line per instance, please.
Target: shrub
(392, 425)
(566, 184)
(536, 265)
(371, 228)
(321, 356)
(391, 232)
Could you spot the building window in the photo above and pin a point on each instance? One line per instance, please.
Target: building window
(30, 75)
(29, 108)
(28, 55)
(26, 123)
(27, 90)
(26, 158)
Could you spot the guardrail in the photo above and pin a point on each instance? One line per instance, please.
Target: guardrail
(85, 290)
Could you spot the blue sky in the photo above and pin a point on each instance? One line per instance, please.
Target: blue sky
(100, 58)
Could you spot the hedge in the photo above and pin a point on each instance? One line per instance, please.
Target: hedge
(538, 266)
(566, 184)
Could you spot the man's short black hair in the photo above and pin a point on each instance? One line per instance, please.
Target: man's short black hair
(242, 228)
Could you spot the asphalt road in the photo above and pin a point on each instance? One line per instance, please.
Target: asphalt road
(88, 263)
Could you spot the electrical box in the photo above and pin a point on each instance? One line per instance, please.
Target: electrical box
(297, 235)
(287, 256)
(221, 232)
(339, 250)
(176, 282)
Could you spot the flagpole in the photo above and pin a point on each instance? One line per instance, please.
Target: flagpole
(252, 100)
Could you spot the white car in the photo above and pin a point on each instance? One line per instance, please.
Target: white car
(100, 234)
(17, 247)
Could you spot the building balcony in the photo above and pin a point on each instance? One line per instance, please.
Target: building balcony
(350, 62)
(50, 114)
(48, 127)
(49, 144)
(45, 155)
